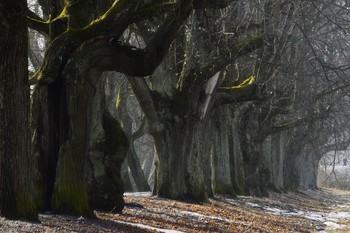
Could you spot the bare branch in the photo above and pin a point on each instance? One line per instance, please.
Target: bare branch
(37, 23)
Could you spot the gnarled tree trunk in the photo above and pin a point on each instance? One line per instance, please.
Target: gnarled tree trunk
(108, 148)
(16, 161)
(81, 146)
(183, 161)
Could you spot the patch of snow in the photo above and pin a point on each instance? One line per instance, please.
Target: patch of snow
(202, 217)
(138, 194)
(143, 226)
(244, 197)
(322, 217)
(343, 206)
(277, 211)
(329, 219)
(253, 204)
(339, 215)
(231, 201)
(333, 225)
(331, 216)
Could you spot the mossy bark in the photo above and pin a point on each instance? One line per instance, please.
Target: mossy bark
(73, 63)
(70, 195)
(17, 197)
(82, 144)
(50, 130)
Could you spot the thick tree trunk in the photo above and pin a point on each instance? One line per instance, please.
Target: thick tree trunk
(236, 161)
(80, 155)
(183, 162)
(277, 144)
(309, 170)
(223, 152)
(49, 114)
(70, 195)
(108, 147)
(292, 163)
(16, 161)
(75, 59)
(257, 173)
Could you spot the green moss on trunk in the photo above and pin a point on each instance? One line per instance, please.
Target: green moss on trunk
(224, 189)
(239, 187)
(70, 196)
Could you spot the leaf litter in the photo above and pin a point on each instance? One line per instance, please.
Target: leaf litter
(307, 211)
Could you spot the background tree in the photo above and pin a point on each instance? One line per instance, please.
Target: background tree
(316, 79)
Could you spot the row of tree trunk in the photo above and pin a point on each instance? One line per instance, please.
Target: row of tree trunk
(224, 155)
(79, 147)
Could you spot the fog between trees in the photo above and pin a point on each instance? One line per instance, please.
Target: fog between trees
(184, 98)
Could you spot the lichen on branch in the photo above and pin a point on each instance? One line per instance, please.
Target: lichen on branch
(247, 85)
(105, 21)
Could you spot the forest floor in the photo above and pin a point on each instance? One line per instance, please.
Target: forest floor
(326, 210)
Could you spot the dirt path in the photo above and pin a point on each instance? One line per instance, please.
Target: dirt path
(307, 211)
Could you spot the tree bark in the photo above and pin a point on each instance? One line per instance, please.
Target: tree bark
(183, 169)
(292, 163)
(223, 153)
(237, 165)
(257, 173)
(17, 198)
(108, 147)
(277, 143)
(70, 194)
(309, 170)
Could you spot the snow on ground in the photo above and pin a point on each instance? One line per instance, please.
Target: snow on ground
(330, 219)
(202, 217)
(143, 226)
(138, 194)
